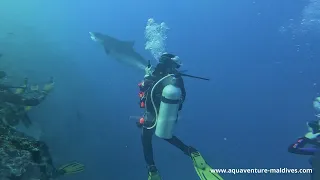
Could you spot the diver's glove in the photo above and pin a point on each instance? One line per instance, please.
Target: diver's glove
(49, 86)
(139, 124)
(311, 135)
(148, 71)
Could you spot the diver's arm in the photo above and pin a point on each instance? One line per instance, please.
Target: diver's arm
(299, 147)
(183, 91)
(180, 84)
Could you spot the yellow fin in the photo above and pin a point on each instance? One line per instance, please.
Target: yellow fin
(71, 168)
(20, 90)
(27, 108)
(48, 87)
(34, 88)
(203, 170)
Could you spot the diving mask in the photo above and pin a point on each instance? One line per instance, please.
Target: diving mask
(170, 60)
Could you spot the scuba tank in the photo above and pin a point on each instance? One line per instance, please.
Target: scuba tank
(169, 107)
(168, 111)
(167, 114)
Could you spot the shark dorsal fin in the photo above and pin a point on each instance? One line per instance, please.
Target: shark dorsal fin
(129, 43)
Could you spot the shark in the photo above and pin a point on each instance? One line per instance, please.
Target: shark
(122, 51)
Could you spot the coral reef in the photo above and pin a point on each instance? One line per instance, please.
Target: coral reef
(17, 154)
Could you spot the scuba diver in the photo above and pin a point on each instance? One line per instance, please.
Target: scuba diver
(7, 95)
(162, 94)
(11, 109)
(312, 137)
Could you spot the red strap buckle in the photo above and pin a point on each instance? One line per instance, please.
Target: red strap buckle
(142, 104)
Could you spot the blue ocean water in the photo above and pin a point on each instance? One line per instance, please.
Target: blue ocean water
(261, 56)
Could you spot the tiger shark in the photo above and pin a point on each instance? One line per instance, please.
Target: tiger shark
(121, 51)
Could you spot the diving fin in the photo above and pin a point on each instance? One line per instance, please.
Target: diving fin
(153, 173)
(70, 168)
(27, 108)
(48, 87)
(34, 87)
(19, 90)
(202, 168)
(22, 89)
(154, 176)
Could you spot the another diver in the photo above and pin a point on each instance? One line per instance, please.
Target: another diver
(7, 95)
(310, 138)
(162, 93)
(11, 111)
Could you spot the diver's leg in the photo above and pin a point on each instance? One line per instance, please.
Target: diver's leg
(47, 168)
(180, 145)
(146, 139)
(202, 168)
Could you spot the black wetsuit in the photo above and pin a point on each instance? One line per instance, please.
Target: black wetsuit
(10, 97)
(299, 148)
(146, 136)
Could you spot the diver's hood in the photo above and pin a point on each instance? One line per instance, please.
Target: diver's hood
(170, 60)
